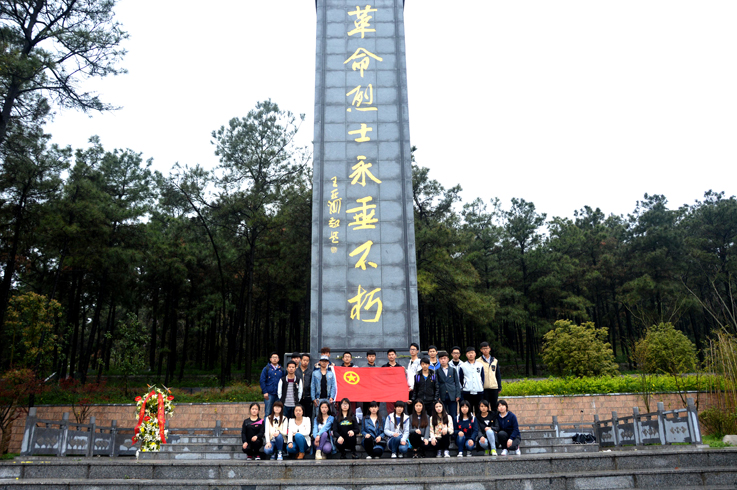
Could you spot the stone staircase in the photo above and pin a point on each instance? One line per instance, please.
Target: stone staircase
(674, 467)
(228, 447)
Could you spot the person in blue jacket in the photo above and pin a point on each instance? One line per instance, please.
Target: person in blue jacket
(509, 436)
(322, 431)
(372, 430)
(324, 387)
(467, 430)
(270, 377)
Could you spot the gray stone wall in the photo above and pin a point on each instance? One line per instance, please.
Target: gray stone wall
(363, 249)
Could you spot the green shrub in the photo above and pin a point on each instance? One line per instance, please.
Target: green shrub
(718, 422)
(578, 350)
(666, 350)
(600, 385)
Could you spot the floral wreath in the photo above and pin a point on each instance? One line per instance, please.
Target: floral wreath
(152, 409)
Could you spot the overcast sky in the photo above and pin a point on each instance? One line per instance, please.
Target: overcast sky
(562, 103)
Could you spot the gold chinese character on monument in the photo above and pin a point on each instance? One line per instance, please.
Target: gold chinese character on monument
(334, 236)
(362, 20)
(361, 171)
(364, 217)
(335, 181)
(334, 205)
(334, 223)
(334, 194)
(363, 138)
(366, 301)
(333, 249)
(363, 59)
(365, 248)
(361, 96)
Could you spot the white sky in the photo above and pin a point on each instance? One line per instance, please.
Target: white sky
(563, 103)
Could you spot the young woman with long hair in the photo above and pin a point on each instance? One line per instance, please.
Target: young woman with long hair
(419, 430)
(321, 429)
(252, 433)
(276, 431)
(346, 429)
(396, 429)
(373, 432)
(440, 430)
(298, 436)
(466, 430)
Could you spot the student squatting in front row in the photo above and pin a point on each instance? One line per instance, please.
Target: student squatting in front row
(419, 427)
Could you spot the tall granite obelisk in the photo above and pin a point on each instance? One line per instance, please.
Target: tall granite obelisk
(364, 273)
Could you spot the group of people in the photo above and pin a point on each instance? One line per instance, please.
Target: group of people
(449, 400)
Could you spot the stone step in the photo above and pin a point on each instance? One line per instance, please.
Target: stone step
(334, 469)
(191, 452)
(714, 477)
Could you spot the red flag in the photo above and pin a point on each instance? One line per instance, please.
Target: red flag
(371, 384)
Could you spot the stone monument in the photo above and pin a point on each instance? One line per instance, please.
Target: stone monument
(364, 273)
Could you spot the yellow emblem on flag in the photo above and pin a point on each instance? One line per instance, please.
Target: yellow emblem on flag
(351, 377)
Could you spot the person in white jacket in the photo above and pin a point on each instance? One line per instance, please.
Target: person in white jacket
(298, 433)
(275, 431)
(472, 379)
(396, 429)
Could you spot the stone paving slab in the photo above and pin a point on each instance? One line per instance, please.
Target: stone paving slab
(717, 477)
(462, 469)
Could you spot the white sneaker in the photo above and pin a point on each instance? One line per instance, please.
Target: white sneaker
(518, 452)
(469, 454)
(368, 457)
(504, 452)
(401, 455)
(447, 454)
(394, 455)
(440, 453)
(460, 454)
(318, 454)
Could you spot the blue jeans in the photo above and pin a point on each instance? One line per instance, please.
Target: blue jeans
(299, 445)
(277, 444)
(464, 444)
(451, 406)
(395, 445)
(490, 440)
(269, 402)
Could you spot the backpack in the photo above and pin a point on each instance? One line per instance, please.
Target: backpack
(432, 377)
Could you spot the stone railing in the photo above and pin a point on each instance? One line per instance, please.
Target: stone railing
(65, 438)
(661, 427)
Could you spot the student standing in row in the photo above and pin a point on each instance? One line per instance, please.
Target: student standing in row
(450, 385)
(472, 379)
(432, 353)
(252, 433)
(346, 430)
(298, 433)
(427, 389)
(414, 365)
(289, 389)
(269, 381)
(392, 355)
(324, 387)
(371, 362)
(492, 375)
(304, 372)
